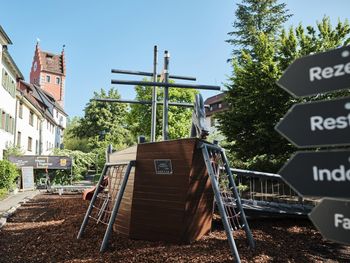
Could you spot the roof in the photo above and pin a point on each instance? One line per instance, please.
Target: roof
(52, 62)
(54, 102)
(42, 99)
(11, 62)
(214, 99)
(5, 36)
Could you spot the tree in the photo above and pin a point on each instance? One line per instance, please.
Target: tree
(255, 17)
(103, 123)
(256, 103)
(180, 118)
(73, 142)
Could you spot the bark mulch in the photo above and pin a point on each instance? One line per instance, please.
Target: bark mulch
(45, 230)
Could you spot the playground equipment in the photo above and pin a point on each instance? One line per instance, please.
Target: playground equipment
(169, 194)
(199, 128)
(267, 195)
(165, 190)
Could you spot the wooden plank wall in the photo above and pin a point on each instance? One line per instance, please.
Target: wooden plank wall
(122, 223)
(176, 207)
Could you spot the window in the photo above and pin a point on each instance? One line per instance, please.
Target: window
(8, 83)
(36, 147)
(11, 124)
(37, 123)
(19, 139)
(20, 110)
(48, 78)
(31, 118)
(220, 105)
(30, 141)
(58, 80)
(1, 120)
(7, 122)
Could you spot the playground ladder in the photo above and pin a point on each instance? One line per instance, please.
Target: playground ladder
(105, 204)
(226, 195)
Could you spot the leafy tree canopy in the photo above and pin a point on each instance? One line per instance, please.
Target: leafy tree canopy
(254, 17)
(180, 118)
(103, 123)
(256, 103)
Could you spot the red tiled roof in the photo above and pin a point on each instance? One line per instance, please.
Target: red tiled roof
(51, 62)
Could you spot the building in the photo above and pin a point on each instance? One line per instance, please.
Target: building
(42, 123)
(216, 104)
(49, 72)
(31, 114)
(10, 75)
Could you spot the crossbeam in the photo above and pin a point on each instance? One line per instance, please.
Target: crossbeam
(145, 102)
(166, 85)
(148, 74)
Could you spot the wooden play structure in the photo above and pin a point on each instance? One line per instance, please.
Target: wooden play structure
(164, 191)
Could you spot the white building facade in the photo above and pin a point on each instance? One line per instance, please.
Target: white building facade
(30, 117)
(10, 74)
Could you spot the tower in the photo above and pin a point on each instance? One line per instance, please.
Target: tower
(49, 72)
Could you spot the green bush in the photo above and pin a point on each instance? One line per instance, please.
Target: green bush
(81, 162)
(8, 174)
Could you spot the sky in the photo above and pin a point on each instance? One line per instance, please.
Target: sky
(106, 34)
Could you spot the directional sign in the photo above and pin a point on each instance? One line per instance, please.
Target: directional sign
(332, 219)
(318, 73)
(42, 162)
(323, 173)
(325, 123)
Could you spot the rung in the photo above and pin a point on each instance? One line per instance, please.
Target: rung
(98, 221)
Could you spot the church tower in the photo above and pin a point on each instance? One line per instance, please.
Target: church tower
(49, 72)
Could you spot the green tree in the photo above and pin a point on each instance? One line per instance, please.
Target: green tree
(256, 103)
(180, 118)
(71, 141)
(103, 122)
(80, 164)
(255, 17)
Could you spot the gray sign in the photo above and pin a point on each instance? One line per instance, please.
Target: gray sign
(322, 173)
(323, 123)
(27, 178)
(332, 219)
(42, 162)
(319, 73)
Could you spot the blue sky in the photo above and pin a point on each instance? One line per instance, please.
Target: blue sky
(101, 35)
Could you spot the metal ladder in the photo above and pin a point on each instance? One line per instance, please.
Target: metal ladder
(226, 195)
(107, 198)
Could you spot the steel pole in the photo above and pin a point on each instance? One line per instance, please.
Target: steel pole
(154, 98)
(166, 96)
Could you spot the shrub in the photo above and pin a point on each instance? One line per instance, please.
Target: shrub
(8, 174)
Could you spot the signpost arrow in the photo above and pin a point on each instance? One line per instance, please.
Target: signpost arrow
(325, 123)
(323, 173)
(332, 219)
(319, 73)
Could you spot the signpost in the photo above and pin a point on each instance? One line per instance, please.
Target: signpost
(317, 124)
(323, 173)
(318, 73)
(321, 123)
(332, 219)
(42, 162)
